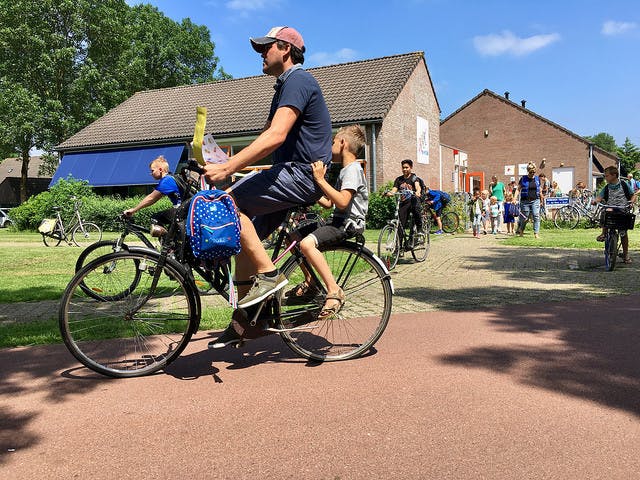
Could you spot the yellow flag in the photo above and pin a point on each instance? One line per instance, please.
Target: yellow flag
(198, 133)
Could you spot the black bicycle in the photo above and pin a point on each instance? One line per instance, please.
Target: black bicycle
(144, 305)
(394, 240)
(617, 220)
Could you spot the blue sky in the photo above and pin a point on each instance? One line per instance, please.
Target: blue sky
(576, 62)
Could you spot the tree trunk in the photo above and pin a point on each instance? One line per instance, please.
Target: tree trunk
(23, 177)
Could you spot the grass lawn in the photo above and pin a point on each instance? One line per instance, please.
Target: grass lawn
(34, 272)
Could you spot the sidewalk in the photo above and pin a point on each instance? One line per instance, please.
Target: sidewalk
(464, 273)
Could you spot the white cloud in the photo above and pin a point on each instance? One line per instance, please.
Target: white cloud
(611, 27)
(507, 43)
(326, 58)
(249, 5)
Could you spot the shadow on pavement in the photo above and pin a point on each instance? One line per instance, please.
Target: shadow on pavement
(597, 358)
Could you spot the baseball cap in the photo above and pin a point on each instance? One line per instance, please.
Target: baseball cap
(286, 34)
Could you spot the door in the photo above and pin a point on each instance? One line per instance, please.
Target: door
(475, 180)
(564, 176)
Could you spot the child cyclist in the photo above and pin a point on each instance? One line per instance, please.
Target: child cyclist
(350, 198)
(167, 185)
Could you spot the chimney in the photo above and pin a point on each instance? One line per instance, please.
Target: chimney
(506, 95)
(523, 103)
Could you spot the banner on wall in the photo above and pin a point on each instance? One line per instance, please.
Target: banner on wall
(522, 169)
(422, 154)
(509, 169)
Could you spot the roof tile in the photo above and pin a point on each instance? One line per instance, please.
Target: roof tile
(240, 106)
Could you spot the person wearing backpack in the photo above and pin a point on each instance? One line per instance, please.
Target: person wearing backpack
(297, 134)
(167, 185)
(618, 193)
(414, 187)
(437, 200)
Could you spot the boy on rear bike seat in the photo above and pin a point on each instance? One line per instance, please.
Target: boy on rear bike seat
(350, 198)
(616, 193)
(168, 186)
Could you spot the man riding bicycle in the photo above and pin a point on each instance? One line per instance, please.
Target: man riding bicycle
(411, 185)
(297, 133)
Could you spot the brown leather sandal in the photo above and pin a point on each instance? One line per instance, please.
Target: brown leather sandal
(327, 312)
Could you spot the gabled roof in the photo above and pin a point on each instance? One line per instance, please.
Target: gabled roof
(528, 112)
(361, 91)
(12, 168)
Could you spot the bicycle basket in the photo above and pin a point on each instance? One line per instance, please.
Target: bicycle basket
(618, 220)
(47, 225)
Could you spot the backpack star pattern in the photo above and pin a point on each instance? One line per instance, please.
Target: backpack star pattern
(213, 226)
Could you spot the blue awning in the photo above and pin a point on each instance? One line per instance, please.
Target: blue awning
(109, 168)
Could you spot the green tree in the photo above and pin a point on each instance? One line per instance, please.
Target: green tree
(604, 141)
(64, 63)
(629, 155)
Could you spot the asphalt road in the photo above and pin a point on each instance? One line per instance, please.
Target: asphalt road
(540, 390)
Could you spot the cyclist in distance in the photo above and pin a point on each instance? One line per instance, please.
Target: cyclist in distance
(297, 133)
(616, 193)
(408, 182)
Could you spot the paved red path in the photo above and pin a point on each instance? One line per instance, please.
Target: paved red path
(528, 392)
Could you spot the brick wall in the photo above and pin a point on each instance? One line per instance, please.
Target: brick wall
(496, 132)
(397, 140)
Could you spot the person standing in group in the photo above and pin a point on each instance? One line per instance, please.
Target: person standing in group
(530, 198)
(496, 189)
(509, 210)
(545, 186)
(494, 214)
(411, 184)
(484, 196)
(475, 212)
(297, 134)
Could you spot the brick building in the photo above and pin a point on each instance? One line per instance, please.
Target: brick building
(391, 97)
(501, 137)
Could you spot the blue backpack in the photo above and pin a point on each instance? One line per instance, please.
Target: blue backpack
(445, 199)
(213, 226)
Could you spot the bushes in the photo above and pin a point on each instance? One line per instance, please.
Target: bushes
(380, 208)
(102, 211)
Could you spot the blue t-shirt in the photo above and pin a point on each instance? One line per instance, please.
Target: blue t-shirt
(436, 197)
(169, 187)
(310, 137)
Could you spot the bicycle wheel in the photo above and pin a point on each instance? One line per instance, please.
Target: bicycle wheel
(86, 234)
(52, 239)
(389, 246)
(566, 217)
(137, 334)
(100, 249)
(362, 319)
(610, 250)
(450, 222)
(421, 244)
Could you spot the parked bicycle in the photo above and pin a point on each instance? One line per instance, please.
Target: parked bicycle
(394, 240)
(617, 220)
(300, 218)
(82, 233)
(569, 216)
(450, 220)
(145, 307)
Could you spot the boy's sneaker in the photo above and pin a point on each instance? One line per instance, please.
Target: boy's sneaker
(228, 337)
(438, 232)
(262, 287)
